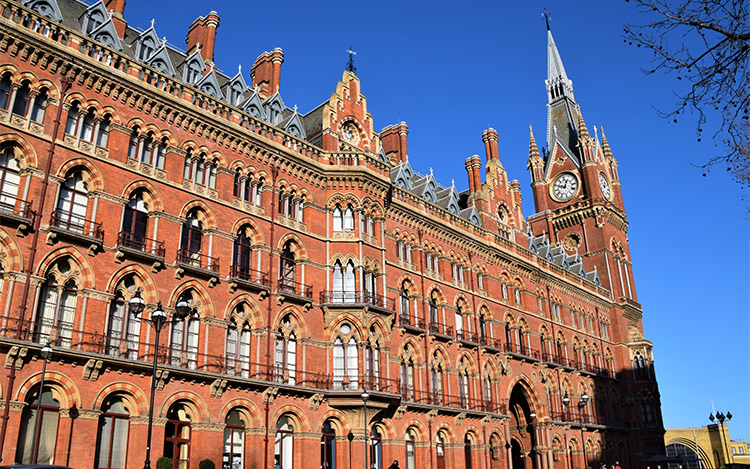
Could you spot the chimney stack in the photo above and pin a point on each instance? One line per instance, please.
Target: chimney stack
(393, 139)
(490, 139)
(203, 32)
(117, 7)
(473, 165)
(266, 72)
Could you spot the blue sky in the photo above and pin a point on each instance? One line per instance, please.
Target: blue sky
(452, 69)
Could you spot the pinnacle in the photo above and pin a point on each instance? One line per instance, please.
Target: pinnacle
(583, 131)
(533, 149)
(605, 145)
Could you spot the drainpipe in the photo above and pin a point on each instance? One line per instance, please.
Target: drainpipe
(269, 307)
(66, 83)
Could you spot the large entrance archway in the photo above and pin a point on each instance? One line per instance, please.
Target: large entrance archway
(523, 429)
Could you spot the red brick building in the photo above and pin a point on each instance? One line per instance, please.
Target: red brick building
(313, 263)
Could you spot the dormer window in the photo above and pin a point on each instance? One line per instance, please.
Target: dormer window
(93, 21)
(146, 48)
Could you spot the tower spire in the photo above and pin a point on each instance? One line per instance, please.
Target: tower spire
(562, 110)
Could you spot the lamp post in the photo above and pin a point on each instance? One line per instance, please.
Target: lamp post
(366, 396)
(46, 351)
(158, 319)
(721, 418)
(581, 404)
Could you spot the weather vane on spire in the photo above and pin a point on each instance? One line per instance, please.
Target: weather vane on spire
(350, 64)
(547, 16)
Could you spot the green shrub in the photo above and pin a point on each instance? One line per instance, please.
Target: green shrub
(164, 463)
(206, 464)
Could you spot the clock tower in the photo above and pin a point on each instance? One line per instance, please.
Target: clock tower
(576, 187)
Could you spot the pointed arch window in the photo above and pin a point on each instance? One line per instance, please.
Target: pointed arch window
(234, 441)
(285, 356)
(243, 256)
(135, 223)
(177, 436)
(21, 103)
(46, 433)
(284, 443)
(345, 363)
(440, 450)
(467, 452)
(434, 318)
(191, 239)
(328, 446)
(287, 269)
(238, 349)
(407, 378)
(102, 135)
(39, 106)
(57, 306)
(72, 203)
(404, 301)
(5, 86)
(411, 460)
(349, 283)
(184, 341)
(338, 282)
(123, 329)
(114, 423)
(376, 449)
(483, 328)
(437, 381)
(459, 316)
(372, 365)
(348, 218)
(10, 179)
(463, 386)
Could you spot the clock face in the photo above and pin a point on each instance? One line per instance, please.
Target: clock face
(350, 133)
(565, 186)
(604, 184)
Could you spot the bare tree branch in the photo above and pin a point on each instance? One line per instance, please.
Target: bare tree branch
(706, 43)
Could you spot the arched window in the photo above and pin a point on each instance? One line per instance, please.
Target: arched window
(57, 306)
(338, 283)
(287, 269)
(191, 240)
(46, 432)
(40, 104)
(463, 386)
(407, 378)
(102, 136)
(177, 435)
(349, 218)
(112, 446)
(372, 365)
(243, 256)
(350, 294)
(345, 361)
(5, 85)
(482, 328)
(238, 349)
(440, 450)
(437, 380)
(283, 448)
(411, 461)
(467, 452)
(87, 126)
(505, 291)
(10, 180)
(518, 295)
(72, 203)
(328, 446)
(404, 301)
(376, 449)
(234, 441)
(135, 223)
(459, 321)
(123, 329)
(184, 339)
(285, 355)
(434, 319)
(338, 219)
(488, 394)
(21, 104)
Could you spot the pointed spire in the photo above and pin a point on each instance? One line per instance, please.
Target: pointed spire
(605, 146)
(583, 131)
(558, 83)
(533, 149)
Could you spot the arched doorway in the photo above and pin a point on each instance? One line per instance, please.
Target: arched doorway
(523, 429)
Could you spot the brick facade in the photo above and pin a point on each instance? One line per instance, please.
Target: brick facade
(315, 263)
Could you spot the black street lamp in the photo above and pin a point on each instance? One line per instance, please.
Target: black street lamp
(721, 418)
(366, 396)
(46, 351)
(158, 319)
(581, 404)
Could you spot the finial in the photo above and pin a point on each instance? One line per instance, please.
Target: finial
(596, 134)
(198, 46)
(163, 40)
(239, 68)
(350, 64)
(255, 88)
(277, 89)
(453, 183)
(152, 22)
(111, 12)
(554, 129)
(431, 172)
(547, 16)
(295, 108)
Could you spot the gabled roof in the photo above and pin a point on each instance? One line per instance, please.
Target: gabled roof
(294, 126)
(160, 61)
(275, 108)
(209, 85)
(447, 198)
(148, 36)
(48, 8)
(557, 143)
(254, 107)
(107, 35)
(195, 61)
(401, 175)
(471, 214)
(237, 83)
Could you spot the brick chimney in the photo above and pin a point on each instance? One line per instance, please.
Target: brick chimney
(266, 72)
(117, 7)
(490, 139)
(393, 139)
(203, 32)
(473, 165)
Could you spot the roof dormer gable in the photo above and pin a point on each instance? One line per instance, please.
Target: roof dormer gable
(294, 127)
(429, 191)
(160, 61)
(236, 88)
(401, 175)
(471, 214)
(193, 68)
(48, 8)
(274, 107)
(147, 44)
(209, 84)
(254, 107)
(107, 34)
(94, 16)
